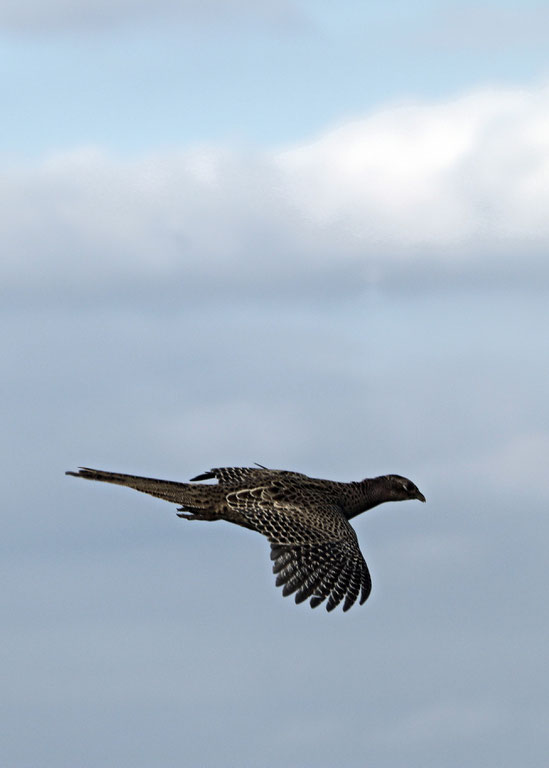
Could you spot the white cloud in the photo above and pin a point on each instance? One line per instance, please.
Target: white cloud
(457, 189)
(433, 175)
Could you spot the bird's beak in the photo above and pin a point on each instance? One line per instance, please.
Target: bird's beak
(420, 496)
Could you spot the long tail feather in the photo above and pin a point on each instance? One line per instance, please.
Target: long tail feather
(162, 489)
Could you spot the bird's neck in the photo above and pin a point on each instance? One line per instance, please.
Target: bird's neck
(366, 495)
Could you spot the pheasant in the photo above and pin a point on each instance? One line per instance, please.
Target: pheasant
(314, 548)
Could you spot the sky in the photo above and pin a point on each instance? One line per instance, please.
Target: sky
(305, 234)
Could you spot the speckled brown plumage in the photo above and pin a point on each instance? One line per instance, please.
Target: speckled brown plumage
(306, 520)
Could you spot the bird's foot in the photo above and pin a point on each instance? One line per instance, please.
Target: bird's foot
(197, 516)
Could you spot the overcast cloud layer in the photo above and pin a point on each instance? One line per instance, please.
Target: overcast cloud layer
(418, 192)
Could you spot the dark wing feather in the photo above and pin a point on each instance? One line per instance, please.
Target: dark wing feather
(244, 476)
(314, 548)
(234, 475)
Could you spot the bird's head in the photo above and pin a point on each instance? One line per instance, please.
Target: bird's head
(401, 489)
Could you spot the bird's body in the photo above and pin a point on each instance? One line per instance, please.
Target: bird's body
(306, 520)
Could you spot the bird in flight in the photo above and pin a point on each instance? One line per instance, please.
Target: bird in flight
(314, 548)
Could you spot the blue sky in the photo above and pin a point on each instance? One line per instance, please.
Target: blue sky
(144, 75)
(311, 235)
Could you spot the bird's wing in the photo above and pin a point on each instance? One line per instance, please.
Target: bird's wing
(315, 550)
(240, 475)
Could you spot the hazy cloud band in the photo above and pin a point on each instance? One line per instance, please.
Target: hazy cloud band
(456, 190)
